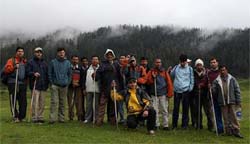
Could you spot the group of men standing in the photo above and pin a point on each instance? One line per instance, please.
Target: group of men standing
(146, 92)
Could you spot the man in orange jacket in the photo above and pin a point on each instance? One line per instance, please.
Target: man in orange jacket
(10, 69)
(161, 88)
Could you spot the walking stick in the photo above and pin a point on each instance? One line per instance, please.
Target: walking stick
(156, 98)
(215, 123)
(16, 89)
(199, 105)
(94, 99)
(72, 100)
(115, 107)
(32, 99)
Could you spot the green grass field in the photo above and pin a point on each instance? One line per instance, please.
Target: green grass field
(76, 132)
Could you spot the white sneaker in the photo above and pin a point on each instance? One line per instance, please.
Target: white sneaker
(151, 132)
(86, 121)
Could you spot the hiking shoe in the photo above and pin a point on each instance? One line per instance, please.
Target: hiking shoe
(151, 132)
(166, 128)
(51, 122)
(40, 121)
(174, 127)
(238, 135)
(16, 120)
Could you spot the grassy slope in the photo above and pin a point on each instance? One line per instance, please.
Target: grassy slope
(75, 132)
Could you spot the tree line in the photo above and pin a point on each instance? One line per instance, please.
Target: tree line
(230, 46)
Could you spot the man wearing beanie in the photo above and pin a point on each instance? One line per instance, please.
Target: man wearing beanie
(201, 99)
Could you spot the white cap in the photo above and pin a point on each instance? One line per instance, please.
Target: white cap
(38, 49)
(199, 61)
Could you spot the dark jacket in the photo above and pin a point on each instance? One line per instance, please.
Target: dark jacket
(233, 96)
(60, 72)
(198, 79)
(35, 65)
(108, 72)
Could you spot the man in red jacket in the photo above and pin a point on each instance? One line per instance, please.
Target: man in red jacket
(17, 90)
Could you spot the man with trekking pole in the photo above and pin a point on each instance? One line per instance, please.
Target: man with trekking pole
(227, 91)
(108, 71)
(161, 89)
(211, 74)
(92, 89)
(138, 104)
(201, 99)
(37, 70)
(15, 69)
(74, 96)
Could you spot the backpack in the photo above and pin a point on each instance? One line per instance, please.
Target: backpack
(4, 76)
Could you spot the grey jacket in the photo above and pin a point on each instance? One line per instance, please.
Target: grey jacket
(233, 96)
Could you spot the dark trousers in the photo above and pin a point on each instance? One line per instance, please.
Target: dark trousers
(106, 100)
(205, 103)
(133, 120)
(75, 98)
(193, 107)
(178, 97)
(21, 99)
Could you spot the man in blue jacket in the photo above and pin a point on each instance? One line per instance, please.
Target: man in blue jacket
(183, 85)
(60, 78)
(37, 70)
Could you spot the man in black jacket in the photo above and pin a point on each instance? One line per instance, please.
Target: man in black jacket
(37, 70)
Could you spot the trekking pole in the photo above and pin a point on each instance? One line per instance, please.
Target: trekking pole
(94, 99)
(16, 89)
(156, 99)
(212, 103)
(199, 105)
(32, 99)
(114, 89)
(72, 100)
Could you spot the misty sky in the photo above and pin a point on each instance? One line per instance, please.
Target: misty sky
(39, 16)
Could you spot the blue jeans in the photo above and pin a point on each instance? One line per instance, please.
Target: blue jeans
(120, 110)
(218, 116)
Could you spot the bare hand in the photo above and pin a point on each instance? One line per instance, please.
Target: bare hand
(145, 113)
(154, 74)
(93, 75)
(169, 69)
(113, 84)
(17, 66)
(36, 74)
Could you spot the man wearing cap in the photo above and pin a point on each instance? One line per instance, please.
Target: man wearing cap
(183, 84)
(136, 71)
(108, 71)
(37, 70)
(138, 103)
(200, 96)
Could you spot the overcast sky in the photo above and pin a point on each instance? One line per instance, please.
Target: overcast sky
(39, 16)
